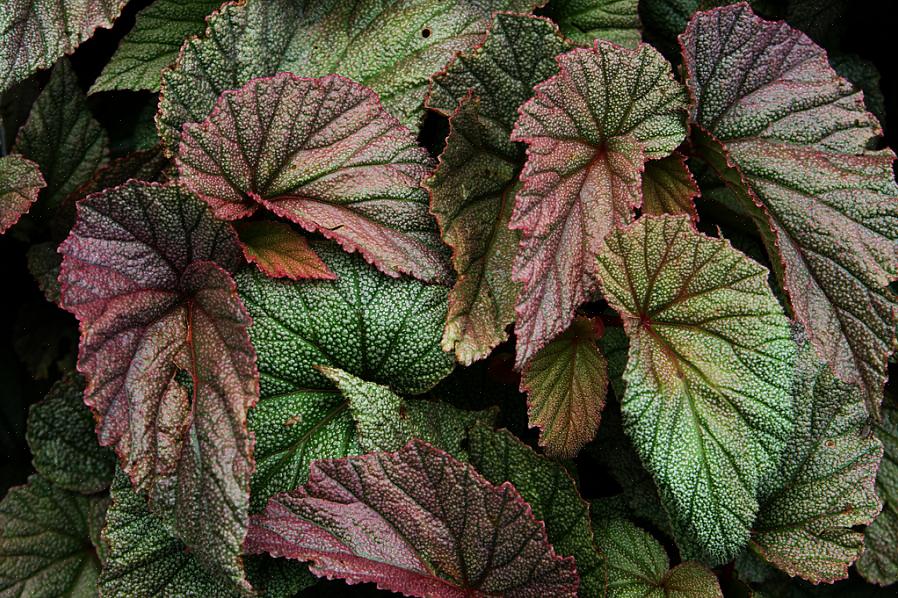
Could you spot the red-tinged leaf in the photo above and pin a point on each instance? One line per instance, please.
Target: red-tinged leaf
(34, 34)
(139, 272)
(566, 383)
(792, 139)
(279, 251)
(668, 187)
(20, 182)
(418, 522)
(322, 153)
(589, 130)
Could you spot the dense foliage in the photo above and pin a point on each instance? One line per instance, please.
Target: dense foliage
(445, 298)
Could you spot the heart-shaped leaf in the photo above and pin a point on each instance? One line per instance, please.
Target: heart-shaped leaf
(324, 154)
(589, 131)
(709, 375)
(140, 272)
(20, 183)
(441, 529)
(793, 139)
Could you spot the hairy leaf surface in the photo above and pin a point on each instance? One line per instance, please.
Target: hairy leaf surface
(566, 383)
(391, 46)
(153, 44)
(441, 528)
(879, 561)
(668, 187)
(33, 35)
(324, 154)
(586, 20)
(550, 492)
(378, 328)
(279, 251)
(472, 190)
(638, 565)
(589, 130)
(45, 541)
(793, 139)
(141, 273)
(708, 379)
(20, 183)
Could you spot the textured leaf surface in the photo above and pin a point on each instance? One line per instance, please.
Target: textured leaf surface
(279, 251)
(639, 567)
(668, 187)
(472, 190)
(586, 20)
(708, 379)
(381, 329)
(798, 135)
(588, 131)
(20, 182)
(63, 442)
(34, 34)
(324, 154)
(391, 46)
(879, 561)
(153, 44)
(62, 137)
(566, 383)
(550, 492)
(825, 485)
(140, 273)
(441, 528)
(45, 545)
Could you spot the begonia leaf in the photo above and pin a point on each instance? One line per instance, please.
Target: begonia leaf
(792, 138)
(20, 183)
(153, 44)
(324, 154)
(279, 251)
(586, 20)
(416, 521)
(382, 329)
(141, 273)
(668, 187)
(825, 484)
(33, 35)
(566, 383)
(709, 375)
(393, 47)
(589, 130)
(472, 190)
(879, 561)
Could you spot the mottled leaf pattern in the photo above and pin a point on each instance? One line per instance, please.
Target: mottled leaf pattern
(324, 154)
(792, 137)
(709, 374)
(20, 182)
(441, 529)
(153, 44)
(45, 541)
(586, 20)
(279, 251)
(550, 492)
(668, 187)
(825, 484)
(33, 35)
(566, 383)
(879, 561)
(140, 273)
(588, 130)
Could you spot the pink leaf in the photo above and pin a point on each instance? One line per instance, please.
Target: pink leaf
(279, 251)
(20, 183)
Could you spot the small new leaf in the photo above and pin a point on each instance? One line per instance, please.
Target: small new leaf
(20, 183)
(279, 251)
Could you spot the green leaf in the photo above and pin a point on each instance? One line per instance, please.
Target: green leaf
(33, 35)
(153, 44)
(63, 442)
(795, 146)
(279, 251)
(668, 187)
(391, 46)
(879, 561)
(62, 137)
(586, 20)
(384, 421)
(639, 567)
(45, 541)
(550, 492)
(566, 383)
(825, 483)
(20, 183)
(382, 329)
(709, 375)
